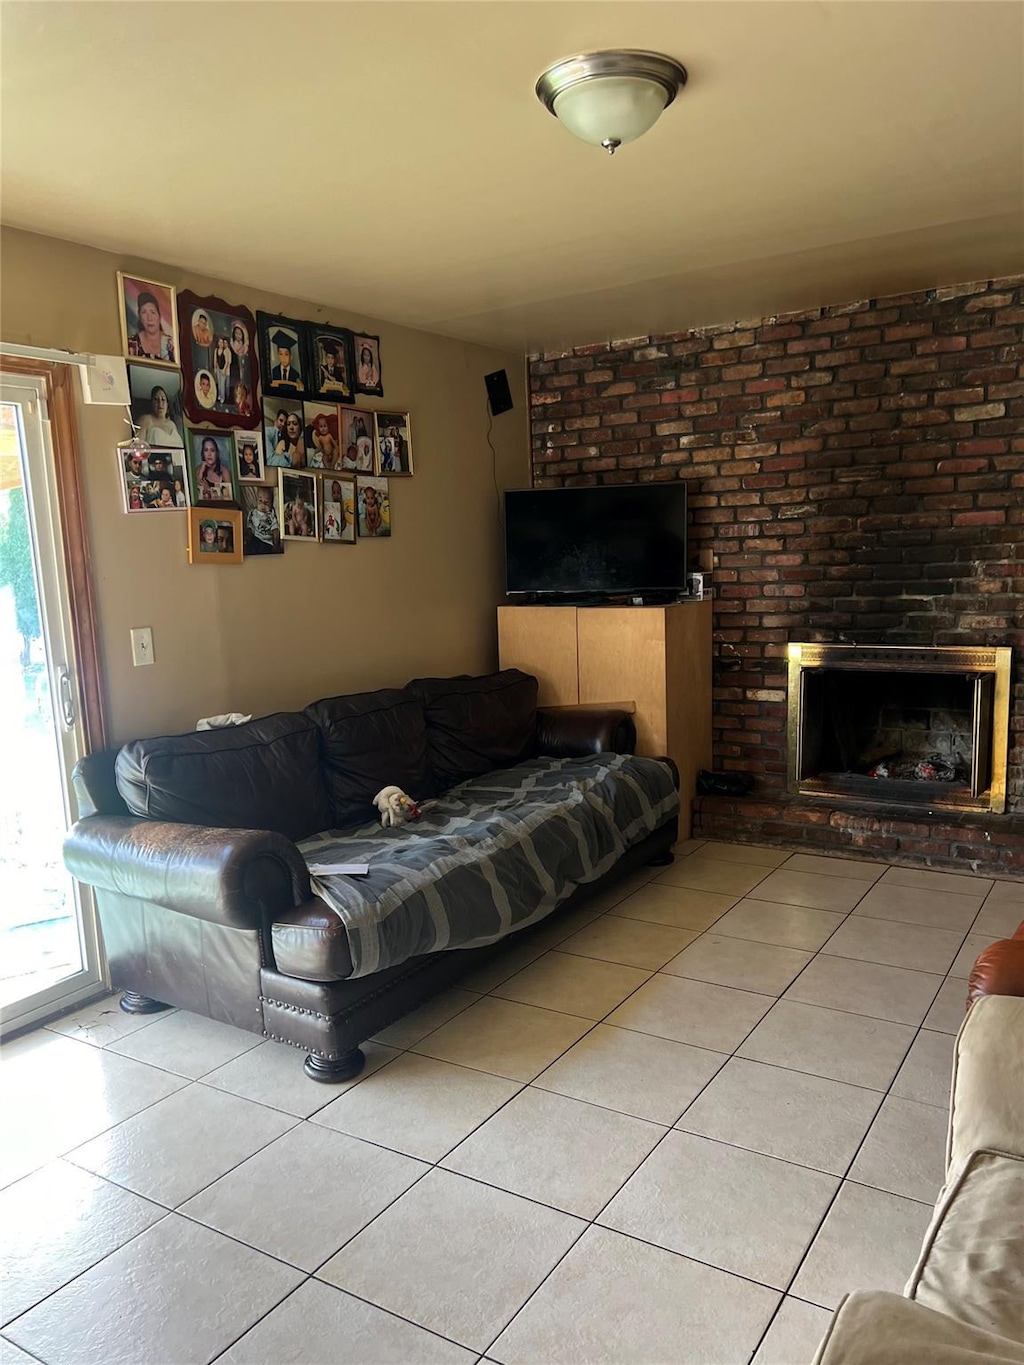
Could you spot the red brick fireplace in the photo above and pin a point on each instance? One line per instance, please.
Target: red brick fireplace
(857, 473)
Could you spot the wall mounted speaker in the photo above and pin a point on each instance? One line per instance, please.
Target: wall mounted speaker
(498, 393)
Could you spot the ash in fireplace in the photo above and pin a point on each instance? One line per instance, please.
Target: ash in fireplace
(934, 768)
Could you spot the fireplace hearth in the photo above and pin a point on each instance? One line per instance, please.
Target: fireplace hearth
(899, 725)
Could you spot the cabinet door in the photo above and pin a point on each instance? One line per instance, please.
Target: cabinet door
(622, 659)
(542, 641)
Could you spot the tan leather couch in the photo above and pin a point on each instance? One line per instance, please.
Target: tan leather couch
(964, 1302)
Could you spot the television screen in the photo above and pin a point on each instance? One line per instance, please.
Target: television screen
(618, 538)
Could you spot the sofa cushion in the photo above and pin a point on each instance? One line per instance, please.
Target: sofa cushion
(872, 1327)
(263, 775)
(971, 1265)
(477, 724)
(987, 1106)
(371, 740)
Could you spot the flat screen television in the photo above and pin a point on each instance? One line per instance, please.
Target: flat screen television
(617, 539)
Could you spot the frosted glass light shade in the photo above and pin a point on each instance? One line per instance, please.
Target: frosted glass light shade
(611, 109)
(608, 98)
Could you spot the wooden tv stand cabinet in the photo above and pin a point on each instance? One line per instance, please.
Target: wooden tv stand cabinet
(658, 658)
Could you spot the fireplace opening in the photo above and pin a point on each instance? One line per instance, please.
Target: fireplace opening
(898, 725)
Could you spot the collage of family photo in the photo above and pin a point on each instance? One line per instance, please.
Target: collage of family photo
(154, 482)
(254, 464)
(219, 368)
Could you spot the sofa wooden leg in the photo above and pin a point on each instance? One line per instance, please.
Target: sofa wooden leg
(332, 1070)
(134, 1003)
(663, 859)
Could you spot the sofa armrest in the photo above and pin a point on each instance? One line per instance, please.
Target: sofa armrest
(872, 1327)
(999, 970)
(576, 731)
(235, 877)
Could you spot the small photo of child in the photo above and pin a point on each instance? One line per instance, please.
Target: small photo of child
(249, 456)
(262, 520)
(299, 502)
(339, 515)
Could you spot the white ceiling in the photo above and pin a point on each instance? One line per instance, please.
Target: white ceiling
(390, 156)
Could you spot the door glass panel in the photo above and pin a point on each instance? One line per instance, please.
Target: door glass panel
(40, 925)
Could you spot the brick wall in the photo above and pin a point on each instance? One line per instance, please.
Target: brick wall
(858, 472)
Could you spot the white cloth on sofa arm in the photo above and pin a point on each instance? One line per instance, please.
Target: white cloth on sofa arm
(987, 1105)
(875, 1328)
(972, 1261)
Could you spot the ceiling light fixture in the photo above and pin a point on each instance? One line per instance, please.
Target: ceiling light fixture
(608, 98)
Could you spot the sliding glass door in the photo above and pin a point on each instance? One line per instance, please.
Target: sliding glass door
(49, 953)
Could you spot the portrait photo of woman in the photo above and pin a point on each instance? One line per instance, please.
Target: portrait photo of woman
(368, 368)
(149, 327)
(210, 473)
(156, 405)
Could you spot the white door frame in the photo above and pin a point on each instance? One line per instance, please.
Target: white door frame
(42, 503)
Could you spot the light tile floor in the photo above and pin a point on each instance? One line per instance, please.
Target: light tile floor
(674, 1126)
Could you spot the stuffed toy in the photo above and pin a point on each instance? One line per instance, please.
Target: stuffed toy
(395, 807)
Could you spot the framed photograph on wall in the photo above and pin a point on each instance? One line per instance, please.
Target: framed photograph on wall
(394, 443)
(261, 514)
(330, 353)
(153, 483)
(339, 509)
(299, 505)
(368, 374)
(149, 322)
(211, 475)
(249, 460)
(156, 405)
(219, 365)
(321, 436)
(284, 433)
(283, 355)
(214, 535)
(357, 439)
(374, 507)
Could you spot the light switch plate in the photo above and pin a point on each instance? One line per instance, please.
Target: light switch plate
(142, 646)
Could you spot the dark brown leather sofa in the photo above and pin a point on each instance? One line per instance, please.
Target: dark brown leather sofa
(204, 899)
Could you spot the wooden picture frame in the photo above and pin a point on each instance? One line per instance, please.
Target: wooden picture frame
(285, 367)
(368, 375)
(219, 363)
(392, 447)
(220, 545)
(338, 518)
(298, 490)
(211, 482)
(332, 364)
(136, 294)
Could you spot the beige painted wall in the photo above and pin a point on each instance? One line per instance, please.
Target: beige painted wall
(278, 632)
